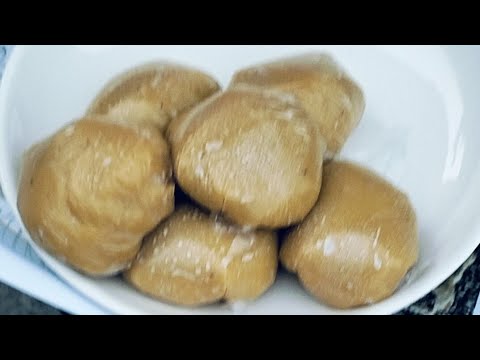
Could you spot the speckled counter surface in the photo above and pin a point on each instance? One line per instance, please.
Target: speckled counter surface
(457, 295)
(13, 302)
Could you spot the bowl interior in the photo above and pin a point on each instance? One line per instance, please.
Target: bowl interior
(419, 130)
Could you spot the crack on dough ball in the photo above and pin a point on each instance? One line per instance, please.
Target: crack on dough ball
(213, 260)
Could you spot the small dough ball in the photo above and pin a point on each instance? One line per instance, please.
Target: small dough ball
(91, 192)
(193, 259)
(251, 154)
(325, 90)
(358, 242)
(153, 94)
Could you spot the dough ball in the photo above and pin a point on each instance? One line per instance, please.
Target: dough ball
(327, 93)
(153, 94)
(358, 242)
(193, 259)
(251, 154)
(90, 193)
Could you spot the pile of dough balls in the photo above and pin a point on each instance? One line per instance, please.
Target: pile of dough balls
(181, 187)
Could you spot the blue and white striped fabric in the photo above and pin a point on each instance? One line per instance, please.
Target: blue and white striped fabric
(10, 231)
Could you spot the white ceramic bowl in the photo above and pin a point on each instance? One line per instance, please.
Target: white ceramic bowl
(420, 130)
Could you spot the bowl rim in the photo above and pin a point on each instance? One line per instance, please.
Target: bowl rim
(388, 306)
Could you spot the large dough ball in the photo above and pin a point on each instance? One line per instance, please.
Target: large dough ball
(327, 93)
(251, 154)
(90, 193)
(193, 259)
(358, 242)
(153, 94)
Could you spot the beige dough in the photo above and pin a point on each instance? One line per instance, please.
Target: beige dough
(358, 242)
(330, 97)
(193, 259)
(89, 193)
(153, 94)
